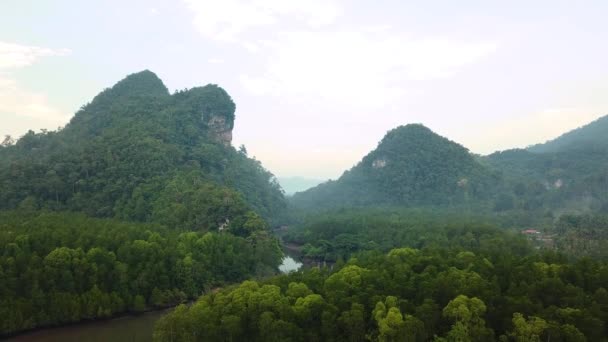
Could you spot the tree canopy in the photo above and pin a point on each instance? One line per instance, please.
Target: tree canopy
(60, 268)
(433, 293)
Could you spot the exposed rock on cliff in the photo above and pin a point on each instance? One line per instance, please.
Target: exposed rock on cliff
(219, 130)
(215, 109)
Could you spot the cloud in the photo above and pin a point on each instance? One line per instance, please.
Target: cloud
(312, 49)
(13, 56)
(19, 102)
(16, 101)
(228, 20)
(360, 67)
(215, 61)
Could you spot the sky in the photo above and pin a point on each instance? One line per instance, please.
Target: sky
(317, 83)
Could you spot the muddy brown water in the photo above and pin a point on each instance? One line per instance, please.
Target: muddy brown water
(137, 328)
(128, 329)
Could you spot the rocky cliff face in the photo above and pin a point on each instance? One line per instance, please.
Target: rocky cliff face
(220, 130)
(215, 109)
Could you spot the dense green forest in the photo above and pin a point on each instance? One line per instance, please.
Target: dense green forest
(567, 174)
(336, 235)
(414, 167)
(423, 241)
(468, 283)
(125, 152)
(572, 180)
(60, 268)
(178, 210)
(582, 235)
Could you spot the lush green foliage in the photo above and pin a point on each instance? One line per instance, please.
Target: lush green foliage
(412, 166)
(60, 268)
(131, 143)
(135, 154)
(182, 213)
(337, 235)
(567, 173)
(572, 180)
(411, 295)
(583, 235)
(446, 278)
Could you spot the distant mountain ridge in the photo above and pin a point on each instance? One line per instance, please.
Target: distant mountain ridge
(592, 135)
(569, 173)
(414, 167)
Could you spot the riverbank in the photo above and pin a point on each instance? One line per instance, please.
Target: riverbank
(122, 327)
(36, 333)
(128, 327)
(294, 251)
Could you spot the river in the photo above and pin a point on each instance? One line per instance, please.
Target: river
(128, 329)
(289, 265)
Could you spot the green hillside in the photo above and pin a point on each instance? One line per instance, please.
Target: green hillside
(139, 203)
(591, 136)
(130, 151)
(412, 166)
(567, 173)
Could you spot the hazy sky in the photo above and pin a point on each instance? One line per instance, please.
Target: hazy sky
(317, 83)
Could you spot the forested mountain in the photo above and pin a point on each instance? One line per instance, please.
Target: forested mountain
(177, 210)
(568, 173)
(592, 135)
(412, 166)
(129, 152)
